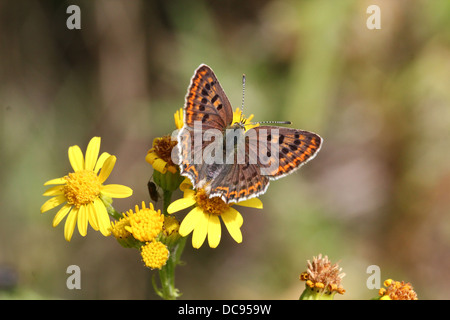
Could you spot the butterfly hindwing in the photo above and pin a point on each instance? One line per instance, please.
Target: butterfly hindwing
(192, 159)
(188, 155)
(238, 183)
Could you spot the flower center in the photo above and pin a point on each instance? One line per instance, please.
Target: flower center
(213, 205)
(145, 224)
(154, 254)
(163, 148)
(398, 290)
(82, 187)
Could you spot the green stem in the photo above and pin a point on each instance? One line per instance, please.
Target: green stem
(167, 272)
(110, 209)
(167, 198)
(311, 294)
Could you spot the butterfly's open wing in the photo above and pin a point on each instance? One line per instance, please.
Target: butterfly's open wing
(207, 107)
(233, 182)
(206, 101)
(187, 152)
(193, 162)
(283, 150)
(239, 182)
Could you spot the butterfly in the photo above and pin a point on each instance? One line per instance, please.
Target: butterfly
(239, 162)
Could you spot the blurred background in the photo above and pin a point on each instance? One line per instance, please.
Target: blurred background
(376, 194)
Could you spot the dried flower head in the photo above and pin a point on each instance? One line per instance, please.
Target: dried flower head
(322, 278)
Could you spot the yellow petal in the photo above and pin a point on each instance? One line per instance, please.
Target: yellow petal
(178, 116)
(160, 165)
(104, 223)
(200, 231)
(116, 191)
(61, 214)
(151, 157)
(54, 191)
(233, 222)
(188, 193)
(107, 168)
(82, 220)
(101, 160)
(214, 231)
(52, 203)
(172, 169)
(180, 204)
(69, 227)
(252, 203)
(76, 158)
(56, 181)
(239, 220)
(92, 217)
(186, 184)
(237, 115)
(92, 152)
(190, 221)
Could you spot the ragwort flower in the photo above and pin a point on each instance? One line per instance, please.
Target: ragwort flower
(396, 290)
(82, 191)
(203, 220)
(160, 155)
(154, 254)
(143, 229)
(146, 223)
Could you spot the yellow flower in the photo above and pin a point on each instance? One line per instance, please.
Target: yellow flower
(118, 227)
(170, 235)
(323, 279)
(396, 290)
(240, 118)
(154, 254)
(204, 220)
(178, 116)
(82, 191)
(171, 226)
(145, 224)
(160, 155)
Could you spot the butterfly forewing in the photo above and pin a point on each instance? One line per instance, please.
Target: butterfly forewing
(287, 149)
(206, 101)
(206, 107)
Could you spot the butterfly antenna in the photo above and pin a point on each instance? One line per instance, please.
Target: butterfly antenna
(242, 108)
(243, 94)
(277, 122)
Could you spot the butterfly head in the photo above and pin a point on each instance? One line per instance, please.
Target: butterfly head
(241, 122)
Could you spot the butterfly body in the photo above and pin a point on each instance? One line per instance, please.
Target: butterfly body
(226, 158)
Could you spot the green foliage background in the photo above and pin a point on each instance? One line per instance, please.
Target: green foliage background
(377, 194)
